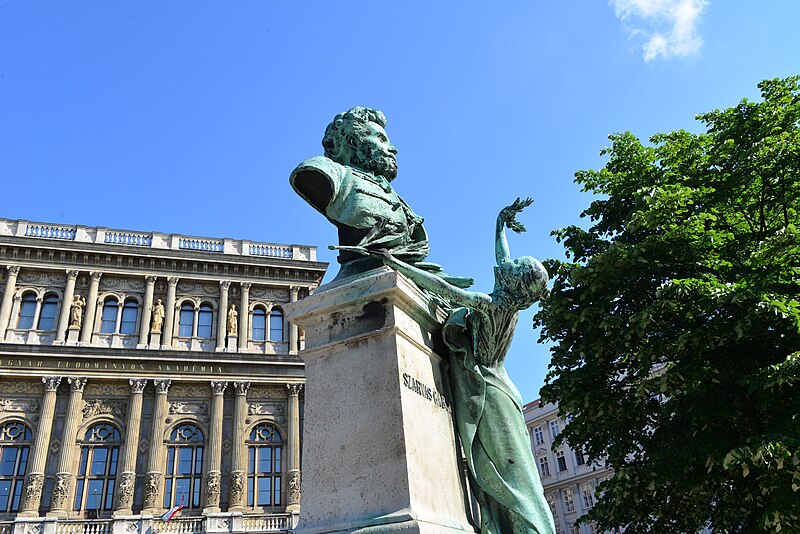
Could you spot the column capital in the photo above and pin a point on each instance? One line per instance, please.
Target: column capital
(246, 286)
(77, 383)
(96, 276)
(218, 386)
(13, 269)
(137, 384)
(294, 289)
(225, 284)
(172, 280)
(241, 387)
(294, 389)
(162, 386)
(150, 279)
(72, 274)
(51, 383)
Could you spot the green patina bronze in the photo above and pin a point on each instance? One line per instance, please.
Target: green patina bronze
(352, 186)
(488, 406)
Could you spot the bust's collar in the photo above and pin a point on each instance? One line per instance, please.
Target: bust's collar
(374, 178)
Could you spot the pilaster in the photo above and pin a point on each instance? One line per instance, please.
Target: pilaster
(8, 299)
(222, 314)
(244, 316)
(62, 487)
(66, 304)
(91, 308)
(155, 460)
(127, 479)
(147, 310)
(293, 444)
(293, 291)
(213, 473)
(236, 492)
(169, 318)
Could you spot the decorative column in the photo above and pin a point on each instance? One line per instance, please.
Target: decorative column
(293, 444)
(238, 455)
(66, 304)
(91, 308)
(213, 472)
(155, 459)
(169, 318)
(293, 290)
(32, 496)
(147, 309)
(8, 299)
(62, 487)
(127, 479)
(222, 314)
(244, 316)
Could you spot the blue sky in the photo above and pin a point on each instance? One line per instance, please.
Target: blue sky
(188, 117)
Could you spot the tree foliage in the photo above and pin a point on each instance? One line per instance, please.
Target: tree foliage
(676, 323)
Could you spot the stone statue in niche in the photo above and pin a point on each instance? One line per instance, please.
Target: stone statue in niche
(488, 407)
(76, 311)
(351, 185)
(157, 320)
(233, 321)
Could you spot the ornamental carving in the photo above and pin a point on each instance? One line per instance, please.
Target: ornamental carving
(19, 405)
(76, 383)
(152, 485)
(212, 488)
(106, 389)
(33, 491)
(274, 409)
(294, 486)
(33, 528)
(189, 391)
(13, 269)
(241, 387)
(188, 407)
(274, 295)
(113, 407)
(267, 392)
(122, 284)
(294, 389)
(60, 489)
(126, 487)
(20, 387)
(162, 386)
(137, 384)
(196, 288)
(42, 279)
(218, 387)
(236, 493)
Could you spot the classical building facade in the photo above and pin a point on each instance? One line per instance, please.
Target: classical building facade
(139, 371)
(569, 481)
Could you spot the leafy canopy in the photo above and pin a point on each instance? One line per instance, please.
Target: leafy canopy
(676, 323)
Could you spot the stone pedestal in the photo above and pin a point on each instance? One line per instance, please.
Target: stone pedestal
(155, 340)
(380, 453)
(73, 335)
(233, 342)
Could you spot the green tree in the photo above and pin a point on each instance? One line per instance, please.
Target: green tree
(676, 323)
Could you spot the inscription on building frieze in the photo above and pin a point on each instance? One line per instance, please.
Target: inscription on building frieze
(426, 392)
(96, 365)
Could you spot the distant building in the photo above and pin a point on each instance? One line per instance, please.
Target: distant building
(141, 370)
(569, 481)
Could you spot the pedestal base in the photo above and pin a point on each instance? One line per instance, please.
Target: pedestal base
(379, 450)
(233, 342)
(73, 334)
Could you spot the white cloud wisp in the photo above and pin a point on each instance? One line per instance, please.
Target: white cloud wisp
(669, 26)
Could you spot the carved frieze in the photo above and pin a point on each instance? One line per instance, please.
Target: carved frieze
(125, 285)
(267, 392)
(106, 389)
(19, 405)
(197, 289)
(188, 407)
(189, 391)
(54, 279)
(20, 387)
(270, 294)
(114, 407)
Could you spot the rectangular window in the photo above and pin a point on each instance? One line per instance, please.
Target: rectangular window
(5, 493)
(186, 322)
(277, 492)
(264, 460)
(112, 468)
(569, 503)
(551, 501)
(588, 496)
(84, 459)
(184, 461)
(250, 481)
(264, 494)
(579, 459)
(23, 461)
(561, 461)
(538, 434)
(555, 428)
(277, 460)
(196, 493)
(251, 464)
(198, 461)
(26, 313)
(99, 457)
(8, 461)
(94, 494)
(78, 495)
(109, 494)
(183, 491)
(544, 467)
(574, 529)
(167, 493)
(17, 496)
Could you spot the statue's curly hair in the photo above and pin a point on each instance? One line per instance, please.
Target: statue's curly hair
(522, 280)
(346, 129)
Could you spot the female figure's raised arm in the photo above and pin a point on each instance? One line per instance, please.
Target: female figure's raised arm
(507, 218)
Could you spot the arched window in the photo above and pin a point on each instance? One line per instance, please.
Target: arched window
(15, 440)
(259, 323)
(97, 471)
(109, 320)
(130, 316)
(27, 310)
(183, 478)
(186, 320)
(264, 466)
(276, 325)
(205, 319)
(47, 315)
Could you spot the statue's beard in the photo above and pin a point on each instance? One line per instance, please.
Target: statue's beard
(377, 162)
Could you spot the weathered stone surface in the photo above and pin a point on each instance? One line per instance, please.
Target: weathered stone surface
(380, 450)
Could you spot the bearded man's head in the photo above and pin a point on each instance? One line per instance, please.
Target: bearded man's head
(357, 138)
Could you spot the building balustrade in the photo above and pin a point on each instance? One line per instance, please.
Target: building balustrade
(231, 522)
(155, 240)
